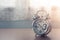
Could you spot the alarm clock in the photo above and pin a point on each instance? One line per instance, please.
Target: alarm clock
(41, 24)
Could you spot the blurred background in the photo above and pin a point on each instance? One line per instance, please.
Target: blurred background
(16, 19)
(18, 13)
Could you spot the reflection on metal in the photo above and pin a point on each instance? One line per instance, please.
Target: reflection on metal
(41, 24)
(42, 38)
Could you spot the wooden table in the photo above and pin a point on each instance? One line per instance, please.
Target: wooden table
(27, 34)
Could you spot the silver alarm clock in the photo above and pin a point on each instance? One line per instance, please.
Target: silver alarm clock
(41, 25)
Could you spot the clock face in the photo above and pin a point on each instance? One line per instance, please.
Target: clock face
(41, 27)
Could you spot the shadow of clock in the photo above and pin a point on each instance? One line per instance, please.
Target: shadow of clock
(42, 38)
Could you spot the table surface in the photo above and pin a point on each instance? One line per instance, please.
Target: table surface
(27, 34)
